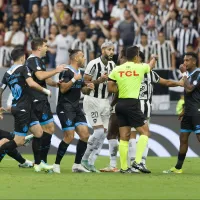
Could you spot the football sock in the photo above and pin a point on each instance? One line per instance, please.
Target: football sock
(6, 134)
(180, 161)
(123, 151)
(8, 146)
(141, 145)
(17, 156)
(131, 150)
(61, 152)
(36, 146)
(113, 148)
(144, 156)
(80, 150)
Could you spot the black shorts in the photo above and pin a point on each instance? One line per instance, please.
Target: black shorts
(41, 113)
(129, 113)
(22, 119)
(113, 126)
(70, 117)
(190, 124)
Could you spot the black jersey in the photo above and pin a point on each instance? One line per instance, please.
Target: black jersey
(35, 64)
(72, 96)
(15, 79)
(192, 99)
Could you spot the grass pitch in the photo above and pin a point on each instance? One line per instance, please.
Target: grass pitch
(17, 183)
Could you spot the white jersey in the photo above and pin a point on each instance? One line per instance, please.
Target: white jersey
(96, 69)
(63, 45)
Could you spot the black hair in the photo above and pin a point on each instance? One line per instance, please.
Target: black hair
(186, 16)
(193, 55)
(131, 52)
(143, 34)
(73, 52)
(37, 42)
(64, 27)
(141, 54)
(17, 53)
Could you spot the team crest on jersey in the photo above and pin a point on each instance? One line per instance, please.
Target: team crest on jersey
(68, 122)
(25, 129)
(95, 120)
(44, 116)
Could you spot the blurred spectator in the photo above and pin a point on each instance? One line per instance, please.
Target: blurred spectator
(151, 31)
(58, 13)
(127, 29)
(54, 31)
(73, 29)
(98, 52)
(67, 19)
(16, 14)
(44, 22)
(139, 8)
(118, 43)
(145, 47)
(63, 43)
(117, 14)
(32, 2)
(5, 58)
(162, 9)
(2, 29)
(86, 24)
(30, 31)
(84, 44)
(35, 12)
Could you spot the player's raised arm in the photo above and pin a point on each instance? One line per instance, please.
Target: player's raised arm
(170, 83)
(153, 61)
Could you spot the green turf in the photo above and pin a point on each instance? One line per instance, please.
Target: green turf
(25, 184)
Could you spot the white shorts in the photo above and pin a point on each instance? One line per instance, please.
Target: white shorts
(97, 111)
(148, 122)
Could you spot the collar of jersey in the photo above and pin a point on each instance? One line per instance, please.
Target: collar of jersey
(13, 68)
(73, 70)
(190, 74)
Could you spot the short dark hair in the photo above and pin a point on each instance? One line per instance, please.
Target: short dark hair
(186, 16)
(17, 53)
(141, 54)
(37, 42)
(193, 55)
(72, 52)
(63, 27)
(143, 34)
(131, 52)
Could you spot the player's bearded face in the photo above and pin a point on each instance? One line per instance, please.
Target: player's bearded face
(109, 52)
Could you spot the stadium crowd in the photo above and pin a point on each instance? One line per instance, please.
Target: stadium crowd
(168, 28)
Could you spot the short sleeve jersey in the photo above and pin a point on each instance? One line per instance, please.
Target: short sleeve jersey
(129, 77)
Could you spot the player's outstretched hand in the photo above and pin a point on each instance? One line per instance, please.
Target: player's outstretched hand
(90, 86)
(77, 77)
(103, 78)
(61, 68)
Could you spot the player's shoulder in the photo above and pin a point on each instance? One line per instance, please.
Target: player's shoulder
(15, 69)
(70, 70)
(111, 63)
(94, 61)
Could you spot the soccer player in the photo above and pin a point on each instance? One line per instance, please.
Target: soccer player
(42, 115)
(18, 78)
(69, 112)
(96, 104)
(126, 79)
(190, 117)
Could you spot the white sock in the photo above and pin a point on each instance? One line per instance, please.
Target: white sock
(97, 150)
(113, 148)
(144, 156)
(131, 151)
(93, 142)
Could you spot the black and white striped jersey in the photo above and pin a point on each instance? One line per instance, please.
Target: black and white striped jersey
(146, 50)
(96, 69)
(5, 58)
(189, 5)
(170, 27)
(87, 47)
(185, 37)
(79, 5)
(164, 52)
(102, 5)
(134, 2)
(43, 26)
(162, 13)
(152, 35)
(117, 44)
(146, 92)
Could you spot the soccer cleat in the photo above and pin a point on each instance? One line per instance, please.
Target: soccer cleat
(79, 168)
(28, 140)
(93, 169)
(27, 164)
(109, 169)
(173, 170)
(37, 168)
(134, 170)
(45, 167)
(126, 171)
(56, 168)
(141, 167)
(85, 164)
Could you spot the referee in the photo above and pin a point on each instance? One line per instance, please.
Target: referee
(128, 109)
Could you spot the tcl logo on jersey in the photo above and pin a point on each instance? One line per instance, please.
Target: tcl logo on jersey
(128, 73)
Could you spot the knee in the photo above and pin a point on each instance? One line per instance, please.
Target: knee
(125, 136)
(20, 141)
(51, 129)
(85, 137)
(68, 138)
(3, 141)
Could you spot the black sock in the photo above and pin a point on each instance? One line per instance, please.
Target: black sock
(6, 134)
(181, 158)
(8, 146)
(61, 151)
(80, 150)
(46, 143)
(17, 156)
(2, 156)
(36, 145)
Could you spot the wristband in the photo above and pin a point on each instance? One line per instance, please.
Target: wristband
(46, 91)
(73, 80)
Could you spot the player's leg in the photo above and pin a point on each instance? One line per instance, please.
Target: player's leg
(132, 146)
(186, 129)
(112, 137)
